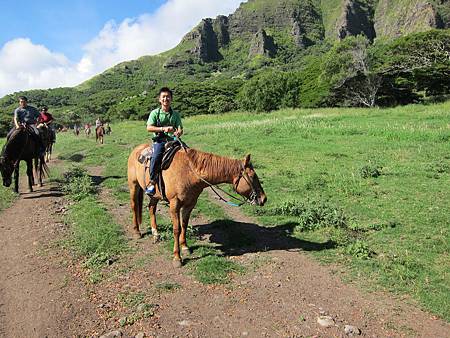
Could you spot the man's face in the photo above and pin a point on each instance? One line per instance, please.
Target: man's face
(165, 99)
(22, 103)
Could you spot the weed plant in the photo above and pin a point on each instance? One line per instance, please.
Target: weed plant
(78, 184)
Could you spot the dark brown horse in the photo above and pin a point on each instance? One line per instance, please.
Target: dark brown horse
(184, 181)
(22, 145)
(99, 132)
(48, 138)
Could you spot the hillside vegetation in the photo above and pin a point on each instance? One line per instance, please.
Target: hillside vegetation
(308, 53)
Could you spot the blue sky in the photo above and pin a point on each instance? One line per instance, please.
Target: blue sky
(65, 26)
(47, 44)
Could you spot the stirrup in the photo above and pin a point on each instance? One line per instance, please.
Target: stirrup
(150, 190)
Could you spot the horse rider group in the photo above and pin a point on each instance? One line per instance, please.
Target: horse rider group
(29, 116)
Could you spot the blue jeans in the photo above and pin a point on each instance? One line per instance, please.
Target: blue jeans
(155, 163)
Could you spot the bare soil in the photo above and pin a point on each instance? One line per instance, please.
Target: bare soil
(45, 292)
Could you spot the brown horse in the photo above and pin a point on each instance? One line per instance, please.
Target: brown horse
(184, 181)
(99, 132)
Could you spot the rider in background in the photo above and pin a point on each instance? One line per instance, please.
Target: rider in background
(165, 123)
(44, 120)
(98, 123)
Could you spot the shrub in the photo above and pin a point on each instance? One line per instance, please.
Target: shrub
(78, 184)
(359, 249)
(370, 170)
(312, 214)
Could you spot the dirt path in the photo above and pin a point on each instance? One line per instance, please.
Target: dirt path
(282, 293)
(39, 297)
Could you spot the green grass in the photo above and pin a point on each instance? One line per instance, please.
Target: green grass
(7, 197)
(386, 170)
(214, 269)
(95, 237)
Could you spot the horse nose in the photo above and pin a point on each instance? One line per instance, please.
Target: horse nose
(263, 200)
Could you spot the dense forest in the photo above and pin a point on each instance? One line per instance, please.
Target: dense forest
(274, 54)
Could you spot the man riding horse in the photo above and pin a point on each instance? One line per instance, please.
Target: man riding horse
(45, 120)
(27, 116)
(165, 123)
(46, 130)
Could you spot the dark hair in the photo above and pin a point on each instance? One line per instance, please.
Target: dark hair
(23, 98)
(44, 108)
(165, 90)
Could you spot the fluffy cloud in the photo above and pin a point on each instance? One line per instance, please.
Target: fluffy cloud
(24, 65)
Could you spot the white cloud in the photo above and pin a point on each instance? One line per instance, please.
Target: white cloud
(24, 65)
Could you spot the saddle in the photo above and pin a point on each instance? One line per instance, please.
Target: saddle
(170, 149)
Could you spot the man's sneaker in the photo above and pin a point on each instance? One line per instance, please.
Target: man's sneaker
(150, 190)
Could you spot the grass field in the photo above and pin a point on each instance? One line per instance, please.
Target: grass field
(371, 184)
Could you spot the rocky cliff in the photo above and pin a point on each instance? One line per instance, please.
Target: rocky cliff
(261, 24)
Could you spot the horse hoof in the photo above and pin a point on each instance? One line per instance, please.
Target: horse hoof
(176, 263)
(185, 252)
(156, 239)
(41, 185)
(137, 235)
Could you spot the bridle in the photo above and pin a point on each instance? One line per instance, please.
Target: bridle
(254, 194)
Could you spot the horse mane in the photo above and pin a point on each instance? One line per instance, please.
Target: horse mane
(214, 165)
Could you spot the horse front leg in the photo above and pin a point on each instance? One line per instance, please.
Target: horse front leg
(175, 216)
(41, 170)
(16, 179)
(152, 211)
(30, 175)
(36, 169)
(185, 215)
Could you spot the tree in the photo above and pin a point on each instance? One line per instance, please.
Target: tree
(351, 67)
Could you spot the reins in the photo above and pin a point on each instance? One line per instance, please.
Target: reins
(214, 187)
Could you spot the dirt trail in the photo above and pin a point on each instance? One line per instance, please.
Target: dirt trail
(282, 293)
(38, 296)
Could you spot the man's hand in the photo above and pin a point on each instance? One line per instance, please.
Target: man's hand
(168, 129)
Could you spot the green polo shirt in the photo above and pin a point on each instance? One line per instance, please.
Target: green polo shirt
(171, 118)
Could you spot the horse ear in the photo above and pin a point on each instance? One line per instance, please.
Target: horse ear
(247, 160)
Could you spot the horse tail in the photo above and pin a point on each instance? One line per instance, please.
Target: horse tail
(43, 168)
(40, 167)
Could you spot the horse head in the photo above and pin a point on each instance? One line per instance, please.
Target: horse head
(6, 169)
(247, 184)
